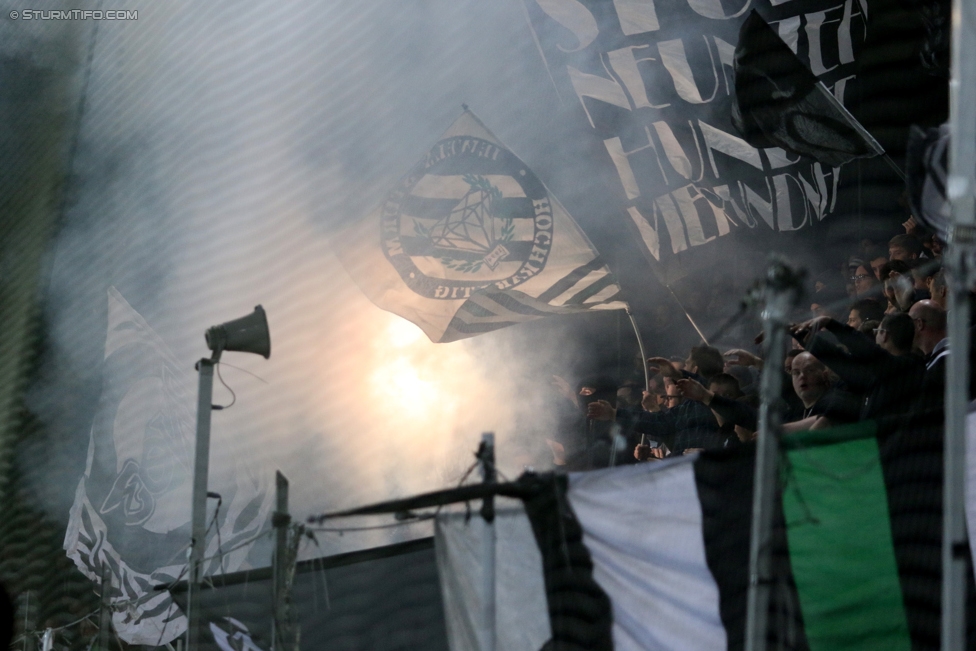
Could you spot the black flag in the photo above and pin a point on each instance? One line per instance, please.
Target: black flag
(779, 103)
(927, 168)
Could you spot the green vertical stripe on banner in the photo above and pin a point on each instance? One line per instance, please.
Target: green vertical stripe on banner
(841, 550)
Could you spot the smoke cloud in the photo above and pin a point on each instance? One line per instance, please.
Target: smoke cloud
(221, 148)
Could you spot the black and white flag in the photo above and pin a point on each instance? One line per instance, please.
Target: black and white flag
(656, 555)
(653, 82)
(779, 103)
(131, 512)
(471, 241)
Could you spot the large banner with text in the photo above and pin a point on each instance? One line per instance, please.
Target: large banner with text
(653, 80)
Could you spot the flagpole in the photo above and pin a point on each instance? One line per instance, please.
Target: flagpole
(893, 165)
(486, 454)
(782, 289)
(538, 46)
(640, 346)
(688, 316)
(281, 639)
(960, 266)
(201, 463)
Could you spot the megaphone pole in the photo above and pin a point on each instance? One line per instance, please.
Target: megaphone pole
(201, 463)
(248, 334)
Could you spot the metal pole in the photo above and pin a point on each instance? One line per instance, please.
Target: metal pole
(280, 521)
(955, 550)
(962, 237)
(489, 476)
(781, 293)
(688, 316)
(201, 465)
(640, 346)
(27, 626)
(105, 613)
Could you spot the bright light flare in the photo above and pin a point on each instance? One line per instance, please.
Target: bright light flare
(401, 333)
(412, 377)
(395, 413)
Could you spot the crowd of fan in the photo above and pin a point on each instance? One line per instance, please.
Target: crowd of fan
(881, 350)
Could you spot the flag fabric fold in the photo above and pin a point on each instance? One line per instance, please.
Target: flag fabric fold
(470, 241)
(778, 102)
(655, 556)
(131, 513)
(520, 598)
(927, 172)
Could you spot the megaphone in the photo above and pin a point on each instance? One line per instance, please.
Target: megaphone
(248, 334)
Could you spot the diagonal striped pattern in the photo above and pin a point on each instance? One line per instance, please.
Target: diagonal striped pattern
(116, 527)
(486, 312)
(457, 274)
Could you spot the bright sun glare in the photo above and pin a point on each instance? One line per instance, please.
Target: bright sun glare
(410, 375)
(402, 333)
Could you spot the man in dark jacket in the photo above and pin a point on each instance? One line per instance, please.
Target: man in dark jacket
(687, 425)
(887, 383)
(811, 382)
(931, 340)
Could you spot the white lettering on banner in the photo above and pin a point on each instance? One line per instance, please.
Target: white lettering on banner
(624, 170)
(673, 189)
(601, 88)
(726, 59)
(776, 212)
(647, 232)
(636, 16)
(688, 200)
(778, 157)
(784, 208)
(676, 153)
(665, 207)
(722, 191)
(572, 15)
(815, 22)
(624, 63)
(676, 62)
(789, 31)
(845, 43)
(814, 197)
(763, 207)
(680, 211)
(817, 196)
(718, 140)
(814, 28)
(839, 87)
(714, 9)
(722, 220)
(673, 152)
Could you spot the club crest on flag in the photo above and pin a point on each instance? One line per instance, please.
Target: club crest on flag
(471, 240)
(469, 216)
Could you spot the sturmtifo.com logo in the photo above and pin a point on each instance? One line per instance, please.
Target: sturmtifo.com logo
(469, 216)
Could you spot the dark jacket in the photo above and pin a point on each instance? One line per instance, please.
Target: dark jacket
(836, 404)
(886, 383)
(933, 381)
(735, 412)
(689, 425)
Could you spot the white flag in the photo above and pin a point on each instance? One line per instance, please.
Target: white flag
(132, 506)
(471, 241)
